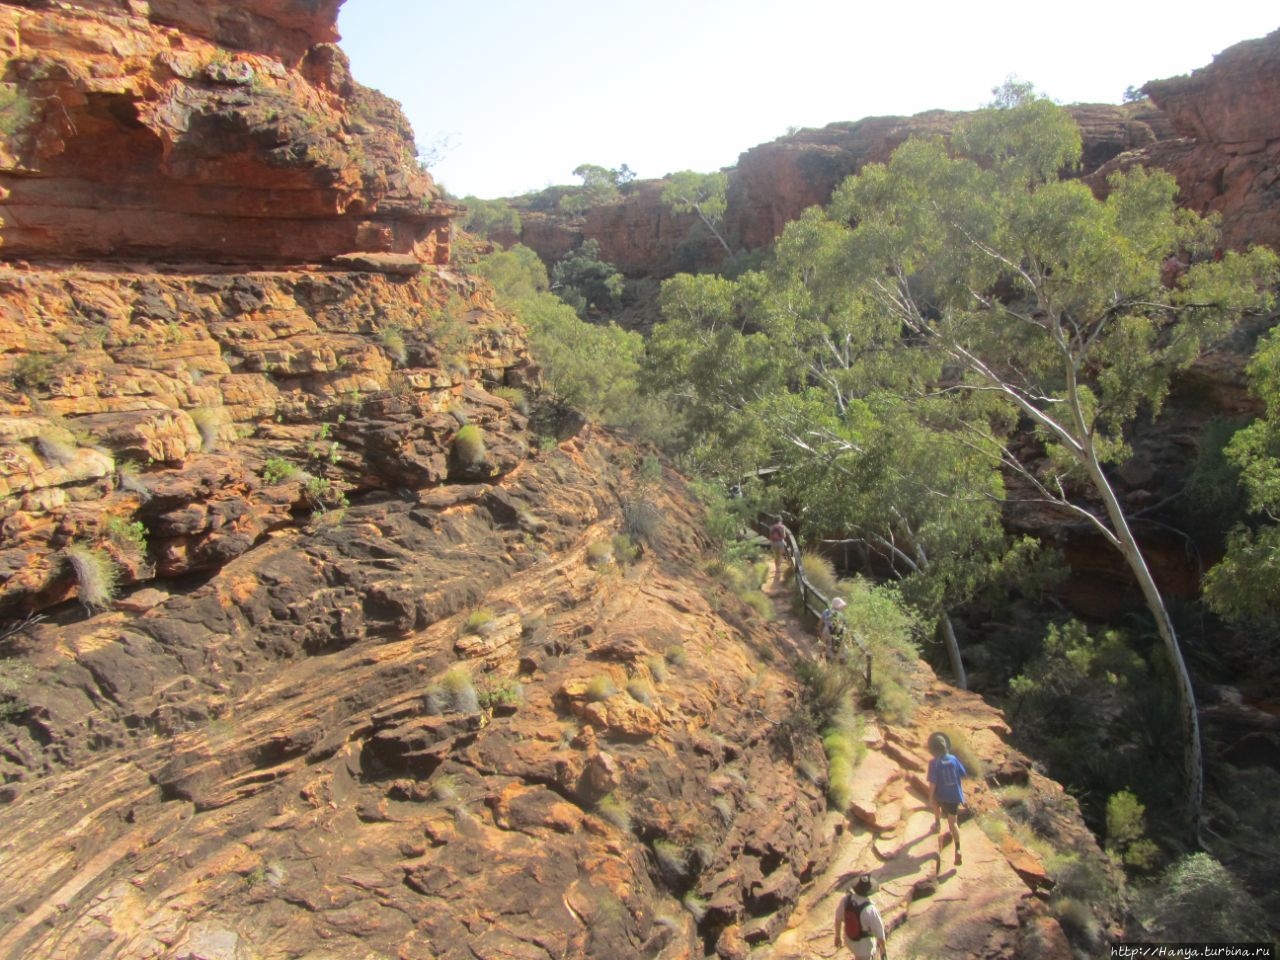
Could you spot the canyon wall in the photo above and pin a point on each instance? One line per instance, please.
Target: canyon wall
(177, 131)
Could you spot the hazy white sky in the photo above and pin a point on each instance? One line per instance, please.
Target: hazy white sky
(520, 92)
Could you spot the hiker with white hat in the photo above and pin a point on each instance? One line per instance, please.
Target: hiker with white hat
(832, 629)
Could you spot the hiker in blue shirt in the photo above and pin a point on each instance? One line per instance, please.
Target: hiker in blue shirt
(945, 791)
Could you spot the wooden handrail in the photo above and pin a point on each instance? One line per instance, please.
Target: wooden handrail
(811, 598)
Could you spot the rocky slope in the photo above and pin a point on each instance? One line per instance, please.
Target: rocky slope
(380, 675)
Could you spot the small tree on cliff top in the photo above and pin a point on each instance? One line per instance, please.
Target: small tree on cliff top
(1086, 332)
(704, 194)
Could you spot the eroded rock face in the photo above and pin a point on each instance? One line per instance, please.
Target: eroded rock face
(1227, 157)
(321, 748)
(183, 131)
(212, 409)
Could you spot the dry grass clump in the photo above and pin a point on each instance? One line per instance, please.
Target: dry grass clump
(96, 574)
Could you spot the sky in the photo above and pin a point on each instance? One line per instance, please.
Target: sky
(510, 96)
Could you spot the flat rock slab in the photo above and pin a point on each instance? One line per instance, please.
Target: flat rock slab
(873, 775)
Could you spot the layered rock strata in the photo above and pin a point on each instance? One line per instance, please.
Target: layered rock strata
(177, 131)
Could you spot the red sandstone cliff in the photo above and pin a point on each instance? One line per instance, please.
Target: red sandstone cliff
(1226, 156)
(179, 131)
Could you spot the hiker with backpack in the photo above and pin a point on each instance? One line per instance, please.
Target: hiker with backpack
(778, 544)
(946, 793)
(858, 922)
(832, 627)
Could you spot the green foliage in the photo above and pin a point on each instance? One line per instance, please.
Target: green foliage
(640, 691)
(16, 111)
(599, 186)
(615, 810)
(486, 218)
(34, 371)
(278, 470)
(127, 534)
(468, 445)
(16, 677)
(392, 339)
(455, 692)
(514, 396)
(877, 617)
(601, 687)
(600, 553)
(1099, 715)
(96, 574)
(585, 282)
(703, 194)
(1200, 901)
(1126, 832)
(1241, 588)
(592, 367)
(478, 621)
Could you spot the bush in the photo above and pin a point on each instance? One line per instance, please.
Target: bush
(126, 534)
(514, 396)
(129, 479)
(600, 553)
(454, 692)
(278, 470)
(56, 445)
(1200, 901)
(601, 688)
(96, 573)
(15, 678)
(468, 445)
(615, 811)
(392, 339)
(641, 692)
(478, 621)
(820, 573)
(1126, 832)
(208, 421)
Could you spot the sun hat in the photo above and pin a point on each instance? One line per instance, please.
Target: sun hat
(838, 604)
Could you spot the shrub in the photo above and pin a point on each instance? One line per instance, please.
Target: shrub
(760, 603)
(56, 445)
(600, 553)
(468, 445)
(1126, 832)
(675, 655)
(478, 621)
(505, 693)
(15, 678)
(1200, 901)
(624, 551)
(820, 573)
(454, 692)
(96, 573)
(129, 479)
(126, 534)
(208, 421)
(641, 692)
(643, 519)
(34, 371)
(514, 396)
(601, 688)
(615, 811)
(278, 470)
(392, 339)
(657, 667)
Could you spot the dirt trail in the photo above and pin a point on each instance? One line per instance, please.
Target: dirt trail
(985, 906)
